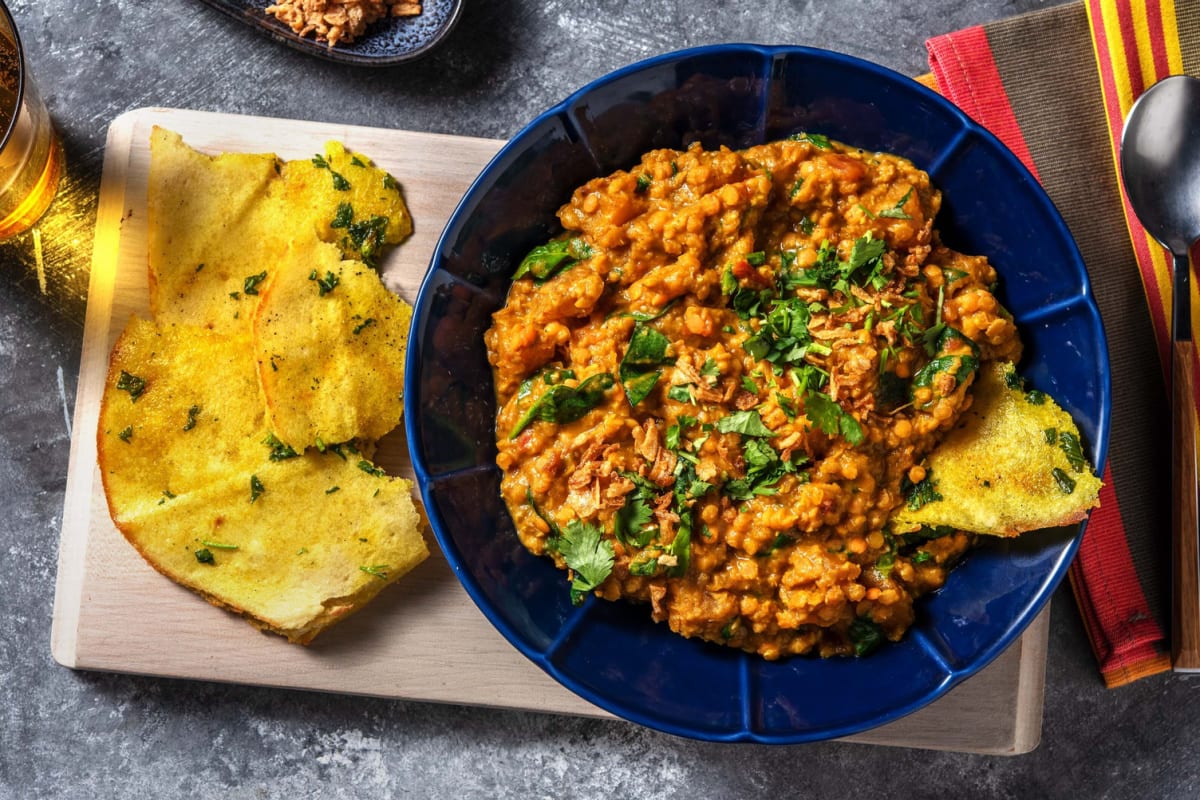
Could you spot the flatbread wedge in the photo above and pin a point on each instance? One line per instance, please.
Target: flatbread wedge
(213, 230)
(237, 542)
(1013, 464)
(211, 499)
(181, 409)
(343, 198)
(330, 339)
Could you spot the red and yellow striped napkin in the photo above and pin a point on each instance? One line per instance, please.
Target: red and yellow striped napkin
(1055, 86)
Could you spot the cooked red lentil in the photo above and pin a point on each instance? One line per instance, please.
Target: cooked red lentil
(719, 383)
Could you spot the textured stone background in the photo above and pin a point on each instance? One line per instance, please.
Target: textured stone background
(84, 735)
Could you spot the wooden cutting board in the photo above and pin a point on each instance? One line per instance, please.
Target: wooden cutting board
(423, 638)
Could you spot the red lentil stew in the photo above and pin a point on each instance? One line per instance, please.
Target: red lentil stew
(718, 384)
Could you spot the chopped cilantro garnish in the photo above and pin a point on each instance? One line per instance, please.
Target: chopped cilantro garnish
(641, 366)
(831, 418)
(818, 140)
(919, 494)
(205, 556)
(131, 383)
(324, 285)
(279, 450)
(359, 327)
(250, 285)
(192, 413)
(631, 522)
(747, 423)
(370, 469)
(343, 216)
(1070, 445)
(587, 554)
(897, 211)
(256, 488)
(126, 434)
(1065, 482)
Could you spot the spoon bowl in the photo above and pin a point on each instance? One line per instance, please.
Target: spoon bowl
(1160, 161)
(1160, 167)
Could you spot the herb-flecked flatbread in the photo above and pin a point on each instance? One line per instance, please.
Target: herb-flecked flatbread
(213, 232)
(181, 409)
(329, 338)
(210, 498)
(195, 475)
(1013, 464)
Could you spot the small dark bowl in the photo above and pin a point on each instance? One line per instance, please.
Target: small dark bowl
(739, 95)
(388, 42)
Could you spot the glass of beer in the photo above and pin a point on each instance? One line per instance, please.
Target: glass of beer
(30, 155)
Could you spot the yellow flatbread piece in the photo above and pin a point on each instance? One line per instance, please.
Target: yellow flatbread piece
(195, 475)
(181, 409)
(1013, 464)
(329, 338)
(213, 229)
(219, 224)
(294, 546)
(346, 200)
(187, 461)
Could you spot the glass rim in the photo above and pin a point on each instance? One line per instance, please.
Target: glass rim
(6, 18)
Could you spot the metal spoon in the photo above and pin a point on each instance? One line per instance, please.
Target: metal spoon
(1160, 166)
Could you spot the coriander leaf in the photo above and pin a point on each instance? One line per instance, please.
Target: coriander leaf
(370, 469)
(1065, 482)
(360, 326)
(897, 211)
(324, 285)
(561, 403)
(681, 393)
(343, 216)
(816, 139)
(631, 520)
(279, 450)
(367, 236)
(256, 488)
(831, 418)
(587, 554)
(921, 493)
(131, 383)
(192, 413)
(205, 556)
(250, 285)
(681, 548)
(747, 423)
(126, 434)
(1069, 443)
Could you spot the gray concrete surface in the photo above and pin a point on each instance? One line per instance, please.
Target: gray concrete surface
(83, 735)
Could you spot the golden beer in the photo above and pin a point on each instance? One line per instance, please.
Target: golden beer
(30, 156)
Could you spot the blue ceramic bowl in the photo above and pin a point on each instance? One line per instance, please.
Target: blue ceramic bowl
(739, 95)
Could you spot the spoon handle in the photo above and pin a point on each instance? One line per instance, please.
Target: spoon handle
(1185, 535)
